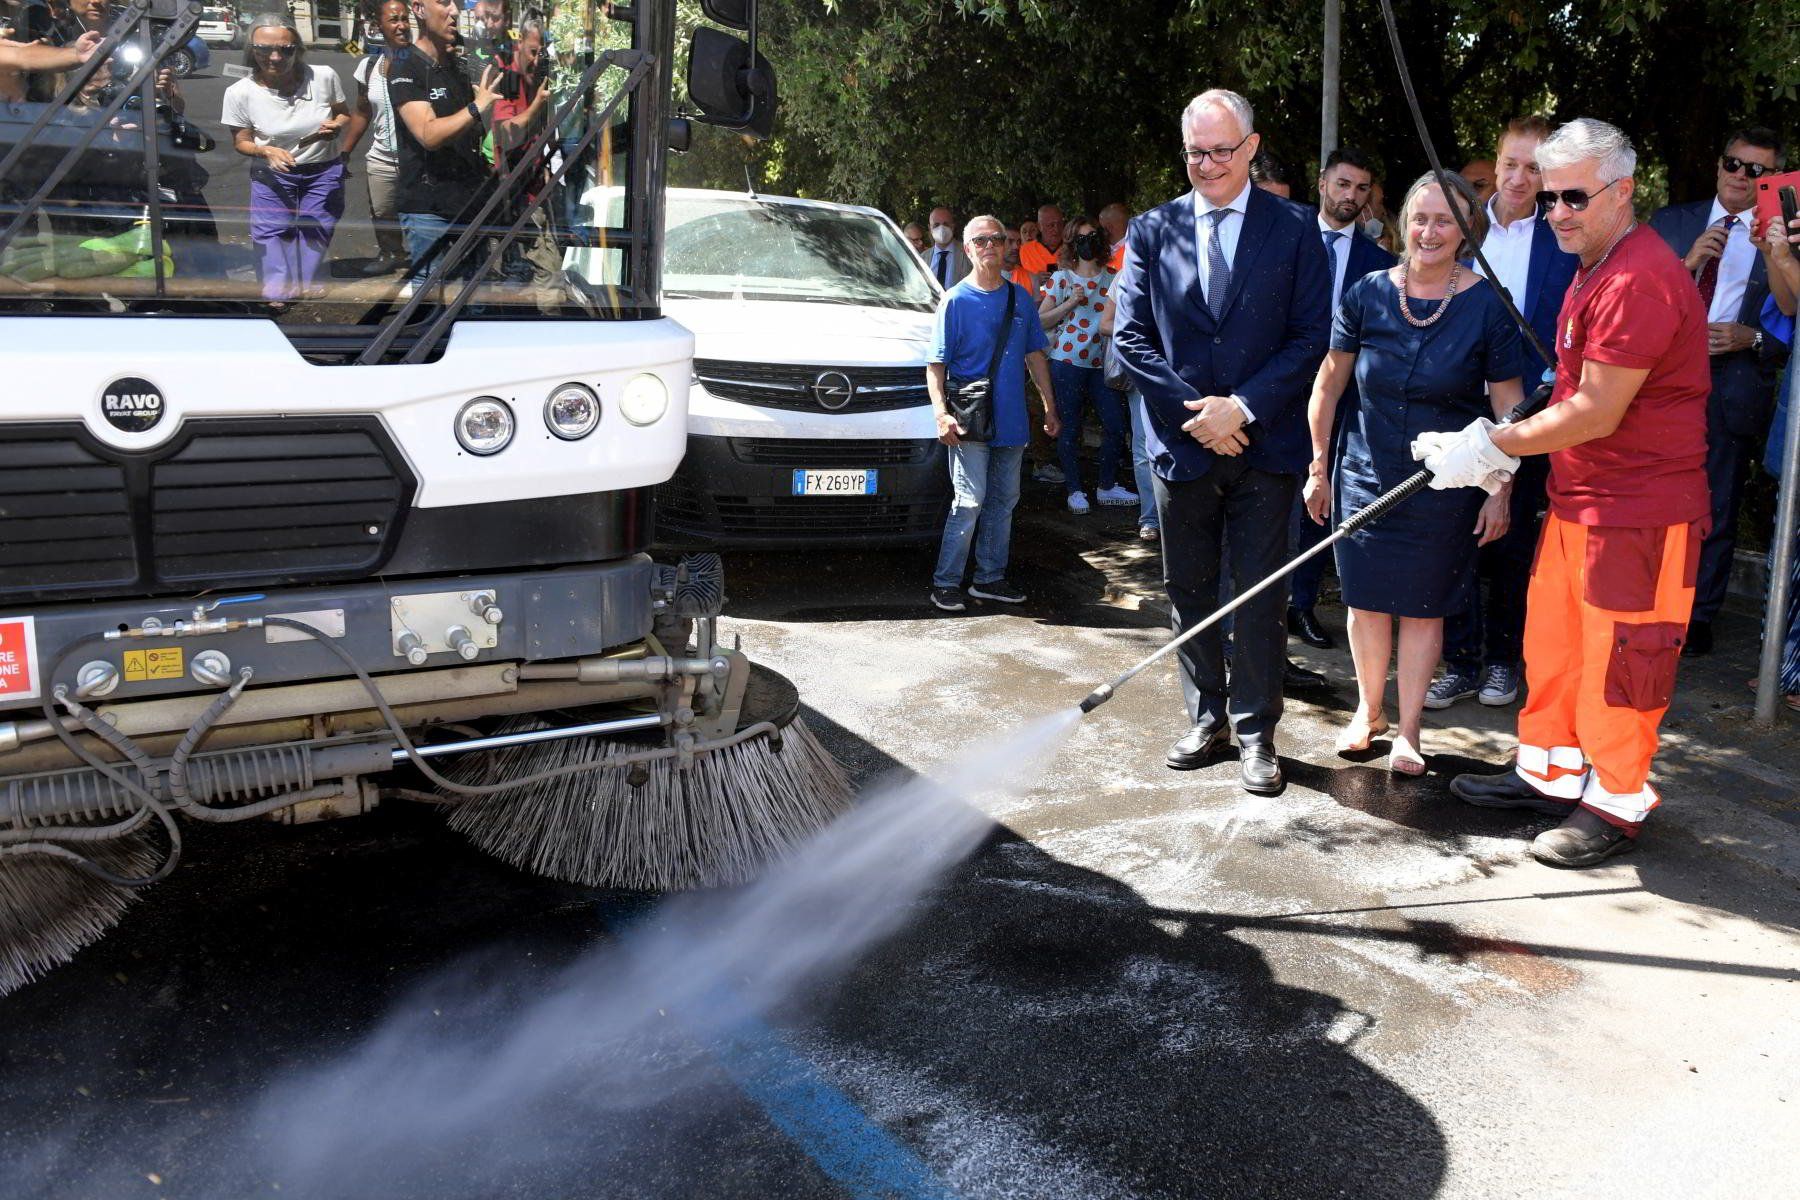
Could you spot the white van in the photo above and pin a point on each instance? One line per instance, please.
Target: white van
(808, 420)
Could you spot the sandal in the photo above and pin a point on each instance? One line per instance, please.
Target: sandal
(1792, 700)
(1357, 735)
(1405, 759)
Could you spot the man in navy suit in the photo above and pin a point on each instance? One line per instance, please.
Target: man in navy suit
(1484, 643)
(1223, 315)
(1713, 238)
(1344, 187)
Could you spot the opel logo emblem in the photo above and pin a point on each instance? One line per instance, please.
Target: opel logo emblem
(833, 390)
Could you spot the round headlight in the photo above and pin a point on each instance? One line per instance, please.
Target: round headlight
(484, 425)
(644, 400)
(572, 411)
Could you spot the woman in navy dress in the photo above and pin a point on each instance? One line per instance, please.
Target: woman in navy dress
(1432, 348)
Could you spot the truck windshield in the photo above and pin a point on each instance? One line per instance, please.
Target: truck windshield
(739, 246)
(286, 180)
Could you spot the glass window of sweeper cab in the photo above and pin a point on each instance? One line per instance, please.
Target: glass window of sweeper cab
(289, 178)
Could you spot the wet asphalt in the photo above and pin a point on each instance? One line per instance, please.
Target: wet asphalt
(1142, 984)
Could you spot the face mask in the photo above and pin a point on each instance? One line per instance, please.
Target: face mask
(1372, 227)
(1089, 246)
(941, 234)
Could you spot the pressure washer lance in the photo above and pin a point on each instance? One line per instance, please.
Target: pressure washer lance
(1380, 507)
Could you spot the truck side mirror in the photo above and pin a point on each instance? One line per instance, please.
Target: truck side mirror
(734, 14)
(729, 89)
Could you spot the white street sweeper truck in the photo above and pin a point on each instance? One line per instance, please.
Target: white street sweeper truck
(288, 526)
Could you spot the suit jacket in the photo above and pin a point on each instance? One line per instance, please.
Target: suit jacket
(1742, 385)
(1547, 280)
(1366, 255)
(1265, 346)
(959, 263)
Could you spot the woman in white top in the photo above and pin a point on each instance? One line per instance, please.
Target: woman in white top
(1073, 306)
(287, 116)
(375, 112)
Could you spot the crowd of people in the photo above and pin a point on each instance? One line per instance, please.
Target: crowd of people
(439, 115)
(1280, 366)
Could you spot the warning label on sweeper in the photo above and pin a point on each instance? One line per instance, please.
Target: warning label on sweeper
(18, 659)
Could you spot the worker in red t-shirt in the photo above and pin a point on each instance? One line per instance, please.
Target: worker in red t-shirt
(1613, 584)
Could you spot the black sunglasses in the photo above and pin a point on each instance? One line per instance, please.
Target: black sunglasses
(1576, 198)
(1734, 165)
(988, 239)
(274, 51)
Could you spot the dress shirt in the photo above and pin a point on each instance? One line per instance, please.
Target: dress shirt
(1227, 230)
(1734, 265)
(1508, 250)
(1340, 256)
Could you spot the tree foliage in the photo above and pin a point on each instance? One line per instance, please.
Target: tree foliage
(1001, 104)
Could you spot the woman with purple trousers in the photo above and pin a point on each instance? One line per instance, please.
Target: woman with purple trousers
(286, 116)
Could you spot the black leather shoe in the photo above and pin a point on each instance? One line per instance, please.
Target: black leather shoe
(1507, 790)
(1295, 677)
(1304, 624)
(1699, 639)
(1258, 769)
(1584, 840)
(1198, 746)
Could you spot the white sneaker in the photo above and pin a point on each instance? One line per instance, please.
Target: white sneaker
(1118, 495)
(1078, 502)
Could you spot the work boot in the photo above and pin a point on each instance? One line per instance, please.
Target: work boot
(1507, 790)
(1584, 840)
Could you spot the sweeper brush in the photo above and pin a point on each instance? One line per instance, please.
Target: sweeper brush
(50, 909)
(710, 820)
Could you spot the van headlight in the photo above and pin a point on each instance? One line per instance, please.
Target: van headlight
(572, 411)
(484, 425)
(644, 400)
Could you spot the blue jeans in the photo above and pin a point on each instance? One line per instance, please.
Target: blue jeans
(1076, 388)
(985, 480)
(1141, 470)
(429, 235)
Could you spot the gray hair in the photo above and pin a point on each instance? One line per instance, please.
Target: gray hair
(1458, 194)
(969, 227)
(273, 20)
(1585, 138)
(531, 25)
(1231, 102)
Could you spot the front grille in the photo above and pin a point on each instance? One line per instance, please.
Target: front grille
(225, 502)
(788, 387)
(820, 453)
(845, 516)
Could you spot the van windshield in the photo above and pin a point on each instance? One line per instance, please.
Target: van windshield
(284, 180)
(739, 247)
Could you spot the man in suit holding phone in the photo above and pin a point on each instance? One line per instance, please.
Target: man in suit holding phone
(1223, 315)
(1713, 238)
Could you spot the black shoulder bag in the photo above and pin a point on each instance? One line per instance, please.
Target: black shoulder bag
(971, 401)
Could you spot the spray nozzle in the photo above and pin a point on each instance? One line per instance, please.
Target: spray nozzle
(1097, 697)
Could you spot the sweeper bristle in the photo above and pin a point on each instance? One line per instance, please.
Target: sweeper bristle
(658, 826)
(49, 909)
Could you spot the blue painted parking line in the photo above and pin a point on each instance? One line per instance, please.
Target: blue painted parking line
(824, 1122)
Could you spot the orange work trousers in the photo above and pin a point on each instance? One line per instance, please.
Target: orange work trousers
(1605, 619)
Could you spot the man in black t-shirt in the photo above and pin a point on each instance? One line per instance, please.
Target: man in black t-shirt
(443, 118)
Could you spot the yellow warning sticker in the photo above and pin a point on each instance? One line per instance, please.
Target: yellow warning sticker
(162, 663)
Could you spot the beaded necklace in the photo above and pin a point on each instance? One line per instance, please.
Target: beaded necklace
(1449, 291)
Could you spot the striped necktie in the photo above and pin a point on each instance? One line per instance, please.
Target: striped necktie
(1709, 274)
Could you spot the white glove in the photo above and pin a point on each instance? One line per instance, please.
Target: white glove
(1466, 458)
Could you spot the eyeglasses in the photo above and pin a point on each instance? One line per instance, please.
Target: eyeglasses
(1576, 198)
(274, 51)
(1734, 165)
(1218, 154)
(988, 239)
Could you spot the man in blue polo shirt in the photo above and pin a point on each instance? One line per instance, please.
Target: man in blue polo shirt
(984, 475)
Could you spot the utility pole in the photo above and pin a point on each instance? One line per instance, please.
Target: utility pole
(1328, 107)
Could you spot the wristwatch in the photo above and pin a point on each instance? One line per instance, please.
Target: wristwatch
(1756, 339)
(475, 111)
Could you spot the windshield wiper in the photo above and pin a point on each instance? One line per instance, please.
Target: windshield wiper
(180, 29)
(638, 63)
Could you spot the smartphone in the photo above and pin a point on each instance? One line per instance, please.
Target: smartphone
(1790, 210)
(1768, 198)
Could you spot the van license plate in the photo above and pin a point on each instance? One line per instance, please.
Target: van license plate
(834, 483)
